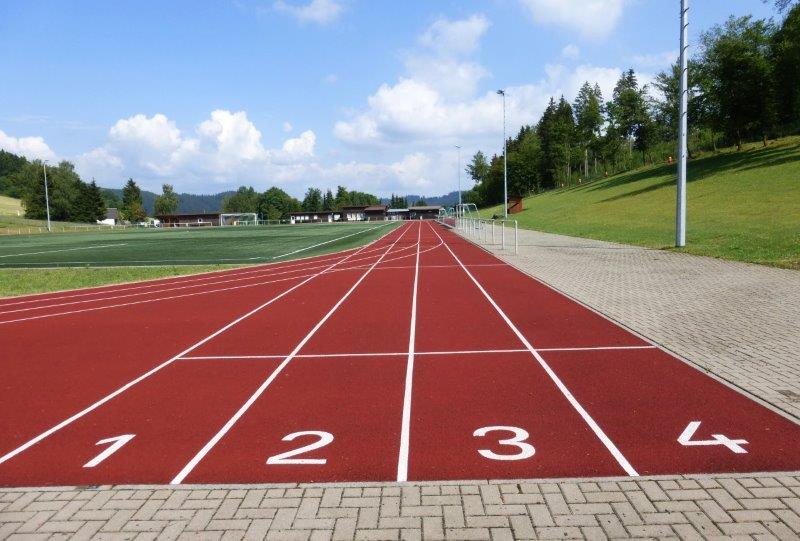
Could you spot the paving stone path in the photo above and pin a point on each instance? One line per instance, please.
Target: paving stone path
(739, 322)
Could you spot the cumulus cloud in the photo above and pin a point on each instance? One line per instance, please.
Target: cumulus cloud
(656, 60)
(571, 52)
(33, 148)
(226, 147)
(593, 19)
(458, 37)
(317, 11)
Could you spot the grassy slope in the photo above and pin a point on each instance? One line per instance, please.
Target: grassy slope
(10, 206)
(210, 247)
(741, 205)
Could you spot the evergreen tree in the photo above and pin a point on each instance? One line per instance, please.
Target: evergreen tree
(328, 201)
(588, 108)
(785, 58)
(132, 209)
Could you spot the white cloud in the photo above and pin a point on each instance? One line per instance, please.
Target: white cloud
(317, 11)
(330, 79)
(287, 127)
(657, 60)
(571, 52)
(225, 148)
(33, 148)
(593, 19)
(458, 37)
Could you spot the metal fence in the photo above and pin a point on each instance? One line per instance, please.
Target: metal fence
(490, 232)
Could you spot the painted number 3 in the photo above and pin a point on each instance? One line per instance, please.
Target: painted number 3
(526, 450)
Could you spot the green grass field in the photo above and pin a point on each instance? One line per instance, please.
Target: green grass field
(98, 258)
(741, 205)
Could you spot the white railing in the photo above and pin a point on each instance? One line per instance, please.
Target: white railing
(484, 231)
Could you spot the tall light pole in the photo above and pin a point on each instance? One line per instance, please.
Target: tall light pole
(46, 195)
(680, 214)
(459, 176)
(505, 158)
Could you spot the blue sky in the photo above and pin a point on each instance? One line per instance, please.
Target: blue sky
(373, 94)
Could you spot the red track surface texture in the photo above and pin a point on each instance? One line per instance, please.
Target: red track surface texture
(417, 357)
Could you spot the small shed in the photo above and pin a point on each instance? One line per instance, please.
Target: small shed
(375, 212)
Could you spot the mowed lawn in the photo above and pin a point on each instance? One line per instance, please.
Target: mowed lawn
(38, 263)
(741, 205)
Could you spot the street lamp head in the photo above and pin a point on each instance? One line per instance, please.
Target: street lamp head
(501, 92)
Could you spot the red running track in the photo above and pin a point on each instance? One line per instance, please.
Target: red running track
(417, 357)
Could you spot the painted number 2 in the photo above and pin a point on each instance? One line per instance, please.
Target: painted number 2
(325, 438)
(526, 450)
(718, 439)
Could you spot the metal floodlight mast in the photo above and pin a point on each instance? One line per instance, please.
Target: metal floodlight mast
(680, 214)
(46, 196)
(505, 158)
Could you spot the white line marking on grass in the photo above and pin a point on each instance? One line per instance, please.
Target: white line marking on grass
(187, 469)
(329, 241)
(402, 461)
(149, 373)
(67, 249)
(171, 297)
(405, 353)
(612, 448)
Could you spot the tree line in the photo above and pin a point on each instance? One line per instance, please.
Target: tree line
(276, 204)
(744, 85)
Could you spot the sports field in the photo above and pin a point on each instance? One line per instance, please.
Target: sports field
(189, 246)
(416, 357)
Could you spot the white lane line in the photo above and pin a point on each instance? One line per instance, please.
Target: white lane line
(149, 373)
(402, 460)
(612, 448)
(187, 469)
(329, 241)
(405, 353)
(67, 249)
(197, 293)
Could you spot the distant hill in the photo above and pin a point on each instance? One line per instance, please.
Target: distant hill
(187, 202)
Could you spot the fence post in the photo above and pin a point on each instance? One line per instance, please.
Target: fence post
(503, 233)
(516, 238)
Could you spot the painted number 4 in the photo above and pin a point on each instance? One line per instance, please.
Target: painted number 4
(718, 439)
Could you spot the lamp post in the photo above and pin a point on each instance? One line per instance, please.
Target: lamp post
(46, 196)
(505, 158)
(680, 211)
(459, 176)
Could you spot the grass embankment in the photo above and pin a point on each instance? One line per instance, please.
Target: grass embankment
(740, 205)
(101, 258)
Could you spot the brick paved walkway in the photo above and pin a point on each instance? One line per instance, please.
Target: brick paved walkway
(740, 322)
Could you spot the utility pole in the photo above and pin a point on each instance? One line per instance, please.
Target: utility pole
(46, 196)
(683, 149)
(505, 159)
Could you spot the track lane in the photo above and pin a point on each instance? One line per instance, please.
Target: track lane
(327, 395)
(455, 395)
(646, 398)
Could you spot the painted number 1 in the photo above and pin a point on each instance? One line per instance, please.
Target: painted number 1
(526, 450)
(718, 439)
(118, 441)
